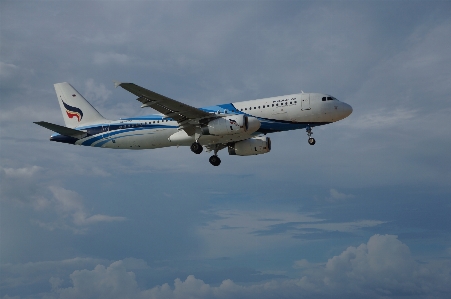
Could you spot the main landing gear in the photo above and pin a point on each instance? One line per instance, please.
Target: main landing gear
(197, 148)
(214, 160)
(311, 140)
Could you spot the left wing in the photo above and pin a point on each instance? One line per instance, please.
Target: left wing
(178, 111)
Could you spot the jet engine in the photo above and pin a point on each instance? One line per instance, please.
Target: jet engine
(228, 125)
(251, 146)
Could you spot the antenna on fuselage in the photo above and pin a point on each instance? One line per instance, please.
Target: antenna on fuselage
(302, 91)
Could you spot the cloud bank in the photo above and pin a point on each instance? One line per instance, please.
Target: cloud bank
(379, 268)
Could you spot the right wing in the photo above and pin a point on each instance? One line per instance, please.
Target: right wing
(178, 111)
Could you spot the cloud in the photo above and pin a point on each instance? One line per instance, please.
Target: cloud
(111, 58)
(249, 228)
(96, 92)
(336, 196)
(25, 274)
(383, 118)
(7, 70)
(382, 267)
(25, 172)
(70, 211)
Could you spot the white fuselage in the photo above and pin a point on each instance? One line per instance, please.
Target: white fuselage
(274, 114)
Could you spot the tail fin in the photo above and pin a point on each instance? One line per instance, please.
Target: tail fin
(75, 108)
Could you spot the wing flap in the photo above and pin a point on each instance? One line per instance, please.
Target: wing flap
(62, 130)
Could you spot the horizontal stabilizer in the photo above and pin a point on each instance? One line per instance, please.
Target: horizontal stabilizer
(62, 130)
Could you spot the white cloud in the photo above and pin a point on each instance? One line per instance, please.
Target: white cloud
(383, 118)
(383, 267)
(71, 213)
(111, 58)
(96, 92)
(23, 274)
(338, 196)
(267, 229)
(25, 172)
(7, 70)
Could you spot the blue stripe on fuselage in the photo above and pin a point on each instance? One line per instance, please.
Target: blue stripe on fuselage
(140, 123)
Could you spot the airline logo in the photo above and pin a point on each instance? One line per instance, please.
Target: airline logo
(73, 112)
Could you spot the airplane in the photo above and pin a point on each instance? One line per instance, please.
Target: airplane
(239, 126)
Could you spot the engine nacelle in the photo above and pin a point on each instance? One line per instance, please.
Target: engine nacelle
(227, 125)
(251, 146)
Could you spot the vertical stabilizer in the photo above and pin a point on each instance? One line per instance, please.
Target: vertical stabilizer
(75, 108)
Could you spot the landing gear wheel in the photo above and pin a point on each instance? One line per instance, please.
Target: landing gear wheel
(311, 141)
(196, 148)
(214, 160)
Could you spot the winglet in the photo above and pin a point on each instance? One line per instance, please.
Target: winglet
(116, 83)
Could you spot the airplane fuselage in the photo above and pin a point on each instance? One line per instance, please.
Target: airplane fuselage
(275, 114)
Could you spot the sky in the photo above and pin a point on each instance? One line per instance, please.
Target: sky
(364, 213)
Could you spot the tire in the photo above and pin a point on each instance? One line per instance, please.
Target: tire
(196, 148)
(311, 141)
(214, 160)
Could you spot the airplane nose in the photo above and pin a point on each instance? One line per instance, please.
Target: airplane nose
(347, 109)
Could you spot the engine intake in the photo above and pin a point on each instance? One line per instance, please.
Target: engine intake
(227, 125)
(251, 146)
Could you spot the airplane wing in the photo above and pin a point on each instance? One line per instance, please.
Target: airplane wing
(62, 130)
(178, 111)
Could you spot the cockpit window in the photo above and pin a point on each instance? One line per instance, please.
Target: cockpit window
(330, 99)
(324, 99)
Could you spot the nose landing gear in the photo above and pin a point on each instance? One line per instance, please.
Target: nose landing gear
(311, 140)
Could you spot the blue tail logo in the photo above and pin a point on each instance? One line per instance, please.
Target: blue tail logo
(73, 112)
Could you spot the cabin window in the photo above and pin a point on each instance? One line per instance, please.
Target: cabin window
(273, 105)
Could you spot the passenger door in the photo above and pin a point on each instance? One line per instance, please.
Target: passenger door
(305, 101)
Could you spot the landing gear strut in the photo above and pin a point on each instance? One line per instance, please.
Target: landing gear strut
(311, 140)
(196, 148)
